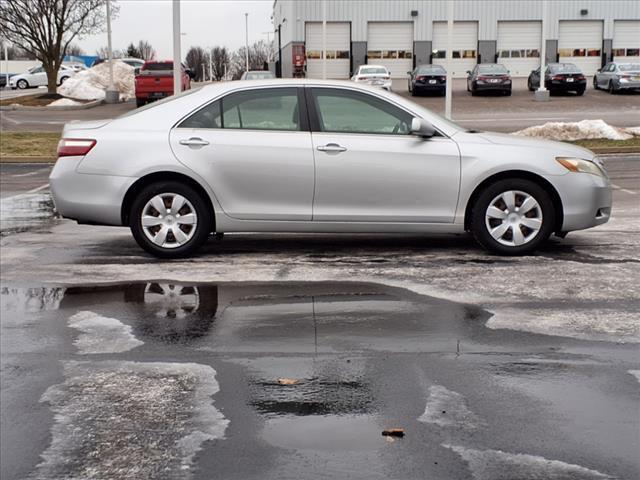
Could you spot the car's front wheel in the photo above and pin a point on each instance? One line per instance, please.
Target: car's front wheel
(513, 217)
(22, 84)
(170, 219)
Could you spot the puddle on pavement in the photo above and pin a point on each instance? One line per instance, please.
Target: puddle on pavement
(26, 212)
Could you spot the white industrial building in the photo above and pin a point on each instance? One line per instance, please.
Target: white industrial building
(401, 34)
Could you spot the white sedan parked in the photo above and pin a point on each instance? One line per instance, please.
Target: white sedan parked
(318, 156)
(37, 77)
(375, 75)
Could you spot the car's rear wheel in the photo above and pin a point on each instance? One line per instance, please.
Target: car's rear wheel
(612, 88)
(580, 92)
(513, 217)
(140, 102)
(595, 83)
(529, 86)
(22, 84)
(170, 219)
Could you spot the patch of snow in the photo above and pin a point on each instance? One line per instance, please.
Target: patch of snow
(121, 420)
(92, 84)
(64, 102)
(635, 373)
(499, 465)
(585, 129)
(448, 409)
(102, 334)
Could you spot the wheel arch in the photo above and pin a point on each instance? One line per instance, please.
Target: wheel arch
(517, 174)
(155, 177)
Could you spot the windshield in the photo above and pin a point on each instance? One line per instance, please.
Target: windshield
(629, 67)
(563, 68)
(259, 75)
(373, 70)
(431, 71)
(492, 69)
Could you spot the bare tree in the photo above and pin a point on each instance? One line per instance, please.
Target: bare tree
(259, 53)
(145, 50)
(103, 52)
(14, 52)
(219, 60)
(74, 50)
(196, 57)
(46, 28)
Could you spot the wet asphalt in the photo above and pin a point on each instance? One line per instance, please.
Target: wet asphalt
(269, 357)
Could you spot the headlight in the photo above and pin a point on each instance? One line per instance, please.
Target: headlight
(580, 165)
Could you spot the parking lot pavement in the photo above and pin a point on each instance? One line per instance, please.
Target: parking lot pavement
(291, 353)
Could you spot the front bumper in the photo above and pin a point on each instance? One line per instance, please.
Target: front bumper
(87, 198)
(586, 200)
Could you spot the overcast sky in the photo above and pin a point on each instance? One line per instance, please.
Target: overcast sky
(206, 23)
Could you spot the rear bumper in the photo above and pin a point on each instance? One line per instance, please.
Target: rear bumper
(586, 200)
(566, 87)
(86, 198)
(426, 87)
(485, 87)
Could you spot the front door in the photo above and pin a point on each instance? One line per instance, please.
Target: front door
(254, 150)
(369, 168)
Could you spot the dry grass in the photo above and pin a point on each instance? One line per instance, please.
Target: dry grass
(602, 145)
(35, 100)
(28, 144)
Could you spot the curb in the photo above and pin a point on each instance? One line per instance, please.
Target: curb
(84, 106)
(28, 159)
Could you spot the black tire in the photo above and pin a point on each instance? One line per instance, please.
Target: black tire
(140, 102)
(479, 227)
(595, 83)
(612, 88)
(529, 86)
(580, 92)
(203, 227)
(473, 93)
(22, 84)
(507, 92)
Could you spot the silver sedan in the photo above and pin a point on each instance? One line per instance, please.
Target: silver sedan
(318, 156)
(616, 77)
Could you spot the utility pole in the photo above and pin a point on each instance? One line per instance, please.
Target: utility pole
(449, 56)
(246, 40)
(542, 94)
(6, 64)
(324, 39)
(112, 95)
(177, 54)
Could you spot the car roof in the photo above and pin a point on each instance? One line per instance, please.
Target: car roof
(373, 66)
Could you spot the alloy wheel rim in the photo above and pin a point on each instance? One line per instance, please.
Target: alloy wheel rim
(513, 218)
(169, 220)
(172, 301)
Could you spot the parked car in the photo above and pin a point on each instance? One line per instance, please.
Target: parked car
(76, 67)
(37, 77)
(155, 81)
(616, 77)
(375, 75)
(3, 79)
(427, 78)
(136, 63)
(302, 155)
(489, 77)
(559, 77)
(257, 75)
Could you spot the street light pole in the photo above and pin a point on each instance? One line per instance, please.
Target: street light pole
(6, 64)
(449, 56)
(542, 94)
(112, 95)
(324, 39)
(177, 53)
(246, 40)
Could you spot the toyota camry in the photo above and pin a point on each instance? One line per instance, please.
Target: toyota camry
(318, 156)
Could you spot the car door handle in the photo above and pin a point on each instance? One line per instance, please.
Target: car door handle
(194, 142)
(331, 147)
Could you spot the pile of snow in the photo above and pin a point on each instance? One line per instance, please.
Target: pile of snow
(64, 102)
(92, 84)
(584, 129)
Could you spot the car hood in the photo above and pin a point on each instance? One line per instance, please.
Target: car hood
(529, 142)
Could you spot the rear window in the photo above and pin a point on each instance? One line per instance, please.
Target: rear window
(373, 70)
(629, 67)
(158, 66)
(564, 68)
(431, 71)
(492, 69)
(259, 75)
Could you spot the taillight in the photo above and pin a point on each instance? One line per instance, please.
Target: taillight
(557, 77)
(68, 147)
(579, 77)
(442, 79)
(386, 77)
(363, 78)
(483, 79)
(421, 79)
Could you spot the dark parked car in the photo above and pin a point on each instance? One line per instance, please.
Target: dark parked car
(3, 79)
(489, 77)
(559, 77)
(616, 76)
(427, 78)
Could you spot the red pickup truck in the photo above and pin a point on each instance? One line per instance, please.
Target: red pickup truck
(155, 81)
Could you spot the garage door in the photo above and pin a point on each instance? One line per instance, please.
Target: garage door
(391, 44)
(580, 42)
(465, 46)
(519, 46)
(338, 47)
(626, 41)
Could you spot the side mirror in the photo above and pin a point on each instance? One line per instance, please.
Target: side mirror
(422, 128)
(409, 73)
(468, 72)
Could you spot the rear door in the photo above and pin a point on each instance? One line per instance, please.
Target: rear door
(253, 147)
(370, 169)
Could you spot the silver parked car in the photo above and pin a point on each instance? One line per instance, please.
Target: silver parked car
(257, 75)
(616, 76)
(318, 156)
